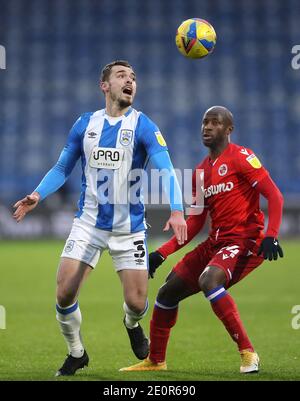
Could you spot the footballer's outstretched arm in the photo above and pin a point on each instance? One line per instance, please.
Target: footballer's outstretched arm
(52, 181)
(162, 161)
(157, 151)
(195, 224)
(56, 177)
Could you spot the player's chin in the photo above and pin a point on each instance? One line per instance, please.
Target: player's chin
(126, 102)
(207, 142)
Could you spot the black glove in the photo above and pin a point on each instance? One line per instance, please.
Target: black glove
(155, 260)
(270, 248)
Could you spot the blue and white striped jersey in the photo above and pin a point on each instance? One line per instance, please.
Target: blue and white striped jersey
(110, 148)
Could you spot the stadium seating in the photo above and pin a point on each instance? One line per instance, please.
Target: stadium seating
(55, 50)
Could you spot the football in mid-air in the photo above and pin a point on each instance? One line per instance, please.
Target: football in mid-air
(195, 38)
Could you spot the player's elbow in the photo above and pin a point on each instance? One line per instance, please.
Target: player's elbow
(279, 196)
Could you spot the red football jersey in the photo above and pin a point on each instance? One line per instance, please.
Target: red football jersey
(229, 193)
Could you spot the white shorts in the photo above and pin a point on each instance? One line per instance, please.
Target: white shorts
(86, 243)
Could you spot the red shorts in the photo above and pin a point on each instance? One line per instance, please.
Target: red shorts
(237, 257)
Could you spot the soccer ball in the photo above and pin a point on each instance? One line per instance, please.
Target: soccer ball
(195, 38)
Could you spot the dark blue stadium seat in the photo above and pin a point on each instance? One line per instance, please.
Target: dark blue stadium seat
(56, 48)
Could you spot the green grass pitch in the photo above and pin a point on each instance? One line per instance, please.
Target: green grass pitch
(31, 347)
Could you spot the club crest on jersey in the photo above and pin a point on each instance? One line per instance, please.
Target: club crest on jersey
(126, 136)
(253, 160)
(223, 170)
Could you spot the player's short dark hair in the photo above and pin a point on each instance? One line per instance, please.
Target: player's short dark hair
(106, 71)
(223, 112)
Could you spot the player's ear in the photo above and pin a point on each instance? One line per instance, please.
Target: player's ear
(230, 129)
(104, 86)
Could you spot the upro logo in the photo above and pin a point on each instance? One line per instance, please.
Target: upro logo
(2, 58)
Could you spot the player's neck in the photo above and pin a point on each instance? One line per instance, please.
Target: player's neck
(215, 152)
(114, 110)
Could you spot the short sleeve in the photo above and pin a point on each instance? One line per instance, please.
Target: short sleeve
(250, 166)
(150, 135)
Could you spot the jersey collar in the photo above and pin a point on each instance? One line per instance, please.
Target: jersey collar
(213, 162)
(123, 115)
(128, 111)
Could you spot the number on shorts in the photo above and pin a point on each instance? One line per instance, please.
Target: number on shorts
(232, 250)
(139, 247)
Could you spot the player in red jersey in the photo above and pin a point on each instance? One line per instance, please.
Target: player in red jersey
(233, 182)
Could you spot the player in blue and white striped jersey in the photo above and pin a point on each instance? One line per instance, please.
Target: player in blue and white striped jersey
(112, 144)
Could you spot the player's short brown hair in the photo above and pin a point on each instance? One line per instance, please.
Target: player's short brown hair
(106, 71)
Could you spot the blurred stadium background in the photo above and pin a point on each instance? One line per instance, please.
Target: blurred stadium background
(56, 48)
(54, 52)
